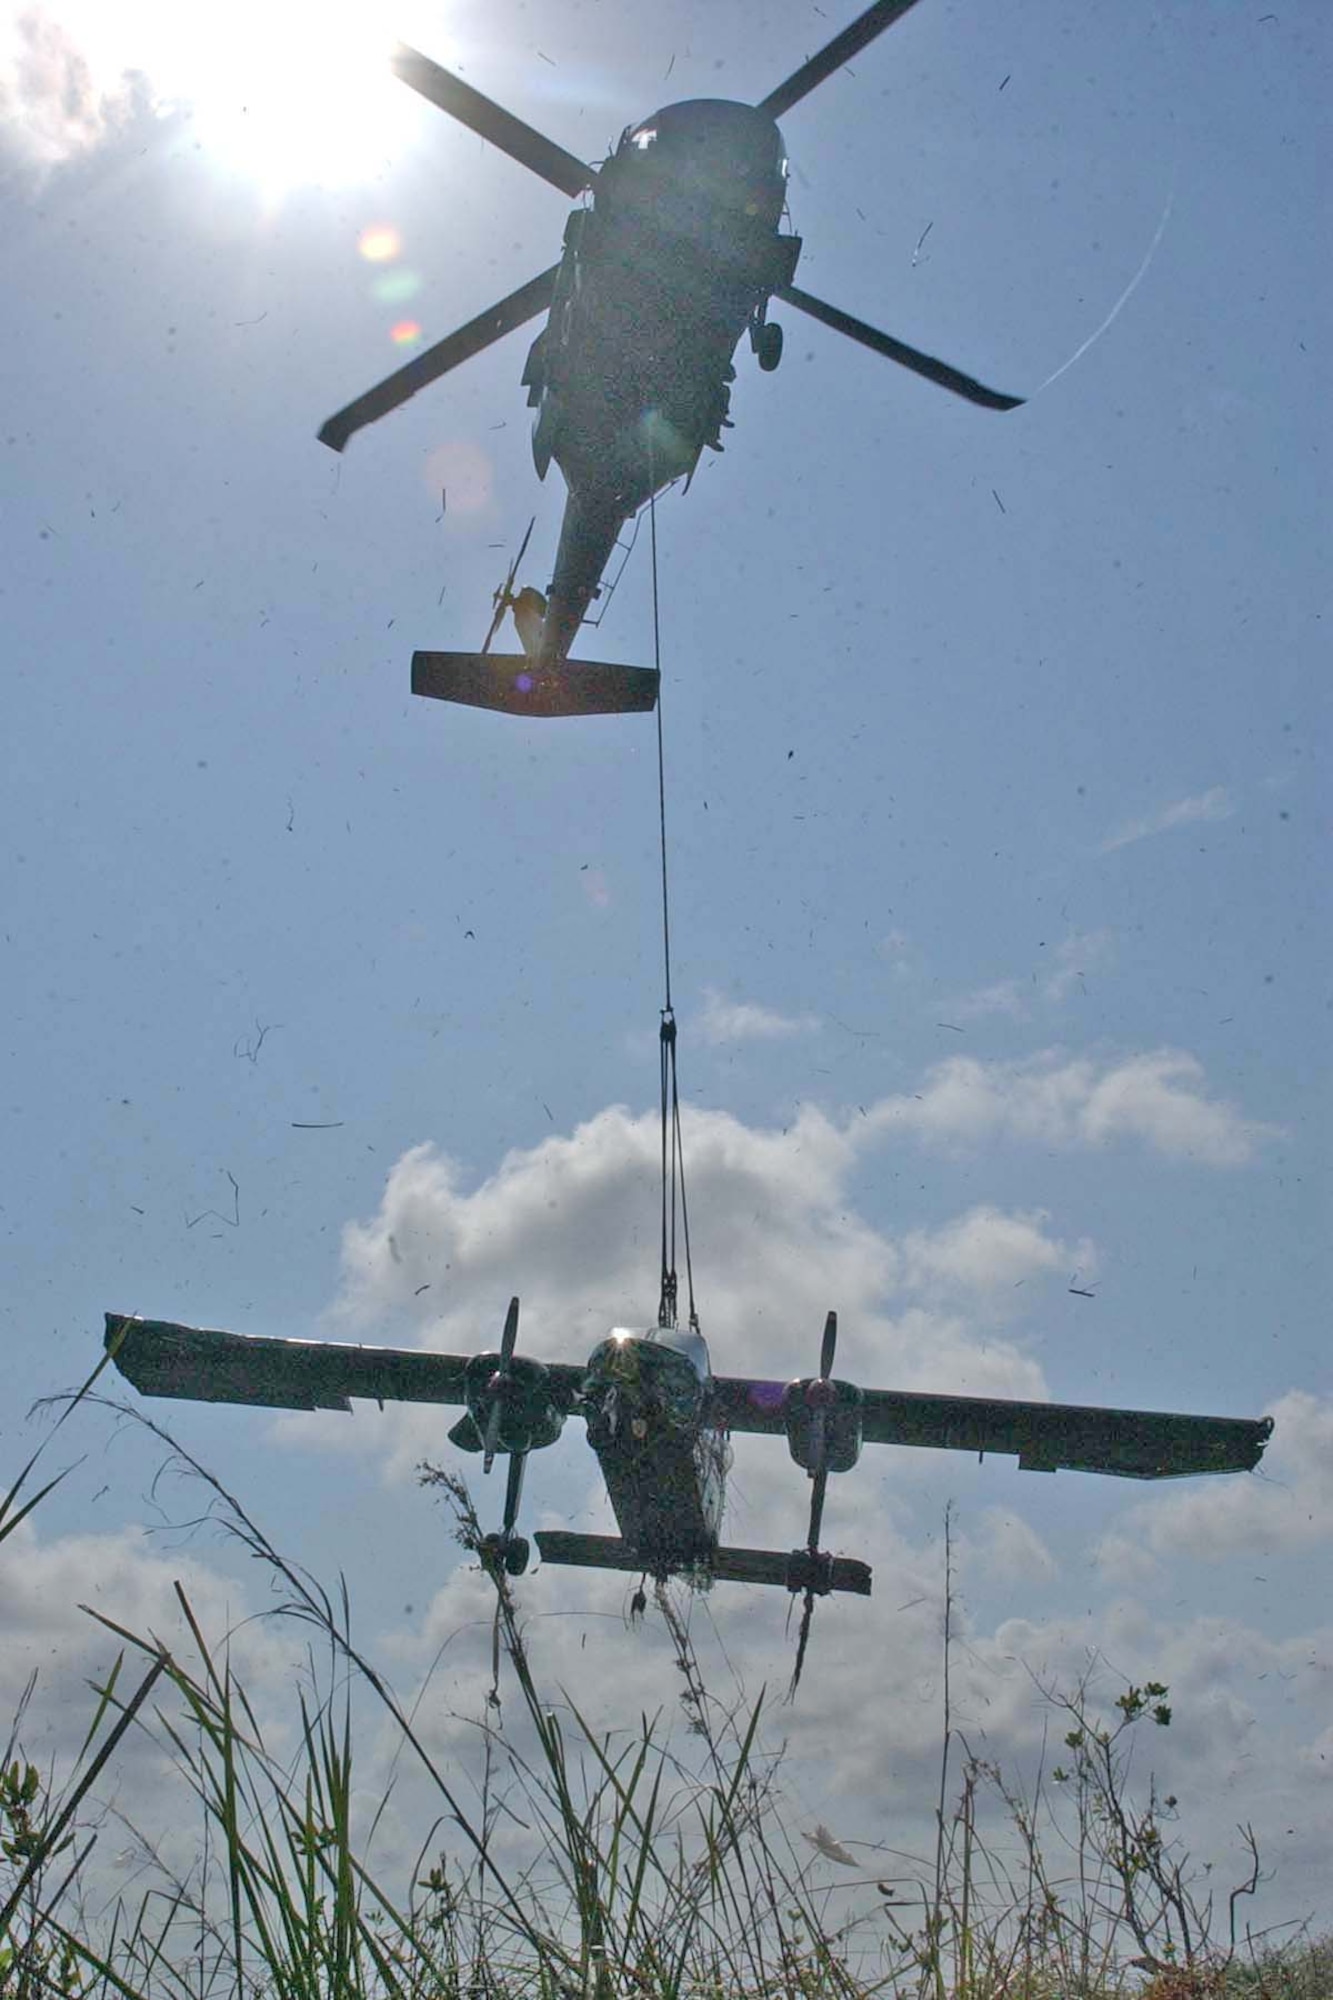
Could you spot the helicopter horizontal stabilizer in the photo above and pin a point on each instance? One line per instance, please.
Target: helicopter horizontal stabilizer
(511, 683)
(730, 1565)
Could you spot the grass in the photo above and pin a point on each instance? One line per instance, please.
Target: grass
(644, 1871)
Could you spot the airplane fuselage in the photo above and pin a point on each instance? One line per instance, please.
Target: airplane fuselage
(646, 1398)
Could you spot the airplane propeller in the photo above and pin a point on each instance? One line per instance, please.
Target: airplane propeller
(818, 1396)
(499, 1384)
(506, 1549)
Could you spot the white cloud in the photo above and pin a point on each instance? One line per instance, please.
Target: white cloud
(1285, 1507)
(571, 1225)
(1054, 1100)
(988, 1251)
(1078, 955)
(725, 1020)
(56, 101)
(1003, 996)
(288, 94)
(1008, 1549)
(1210, 805)
(1052, 981)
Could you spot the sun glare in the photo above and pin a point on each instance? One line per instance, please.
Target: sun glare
(380, 243)
(286, 93)
(299, 94)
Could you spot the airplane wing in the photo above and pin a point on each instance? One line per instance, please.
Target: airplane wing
(201, 1364)
(1044, 1437)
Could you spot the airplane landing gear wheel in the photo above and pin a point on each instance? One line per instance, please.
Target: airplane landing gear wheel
(516, 1555)
(768, 345)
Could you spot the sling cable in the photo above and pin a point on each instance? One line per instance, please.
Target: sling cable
(674, 1204)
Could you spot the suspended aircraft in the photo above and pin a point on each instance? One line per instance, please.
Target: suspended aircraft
(672, 258)
(659, 1420)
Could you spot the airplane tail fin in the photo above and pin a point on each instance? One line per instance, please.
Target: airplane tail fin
(512, 684)
(789, 1571)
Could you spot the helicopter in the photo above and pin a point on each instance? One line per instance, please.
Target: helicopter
(659, 1422)
(670, 261)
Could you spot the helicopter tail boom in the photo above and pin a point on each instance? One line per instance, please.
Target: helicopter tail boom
(516, 685)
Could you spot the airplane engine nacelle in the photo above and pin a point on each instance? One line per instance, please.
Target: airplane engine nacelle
(823, 1420)
(529, 1415)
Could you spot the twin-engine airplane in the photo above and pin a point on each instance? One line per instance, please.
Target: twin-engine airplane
(674, 259)
(659, 1420)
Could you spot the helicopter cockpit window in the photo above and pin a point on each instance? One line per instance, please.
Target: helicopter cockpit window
(645, 137)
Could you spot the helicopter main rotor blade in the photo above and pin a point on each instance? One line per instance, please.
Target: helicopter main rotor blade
(492, 122)
(492, 325)
(897, 350)
(832, 56)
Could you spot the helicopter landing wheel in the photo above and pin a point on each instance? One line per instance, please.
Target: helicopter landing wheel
(768, 345)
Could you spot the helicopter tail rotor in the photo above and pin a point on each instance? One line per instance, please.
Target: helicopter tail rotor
(502, 600)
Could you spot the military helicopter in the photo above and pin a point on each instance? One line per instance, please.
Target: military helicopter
(659, 1421)
(672, 262)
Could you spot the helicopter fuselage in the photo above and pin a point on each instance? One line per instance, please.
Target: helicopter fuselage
(673, 261)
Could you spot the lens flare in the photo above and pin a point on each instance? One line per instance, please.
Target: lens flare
(379, 243)
(395, 288)
(406, 333)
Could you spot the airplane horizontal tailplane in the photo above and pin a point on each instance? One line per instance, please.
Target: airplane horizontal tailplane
(511, 683)
(731, 1565)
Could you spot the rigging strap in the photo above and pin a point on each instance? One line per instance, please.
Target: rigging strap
(673, 1154)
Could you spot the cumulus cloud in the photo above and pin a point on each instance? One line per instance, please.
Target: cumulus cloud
(1008, 1549)
(1055, 1100)
(58, 98)
(1284, 1508)
(1210, 805)
(55, 1657)
(725, 1020)
(289, 94)
(571, 1225)
(988, 1251)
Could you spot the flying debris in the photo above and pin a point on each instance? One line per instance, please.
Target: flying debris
(672, 257)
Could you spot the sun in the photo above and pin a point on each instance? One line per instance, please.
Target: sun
(290, 93)
(301, 94)
(282, 93)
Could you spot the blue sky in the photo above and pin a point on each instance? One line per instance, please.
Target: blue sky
(1000, 936)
